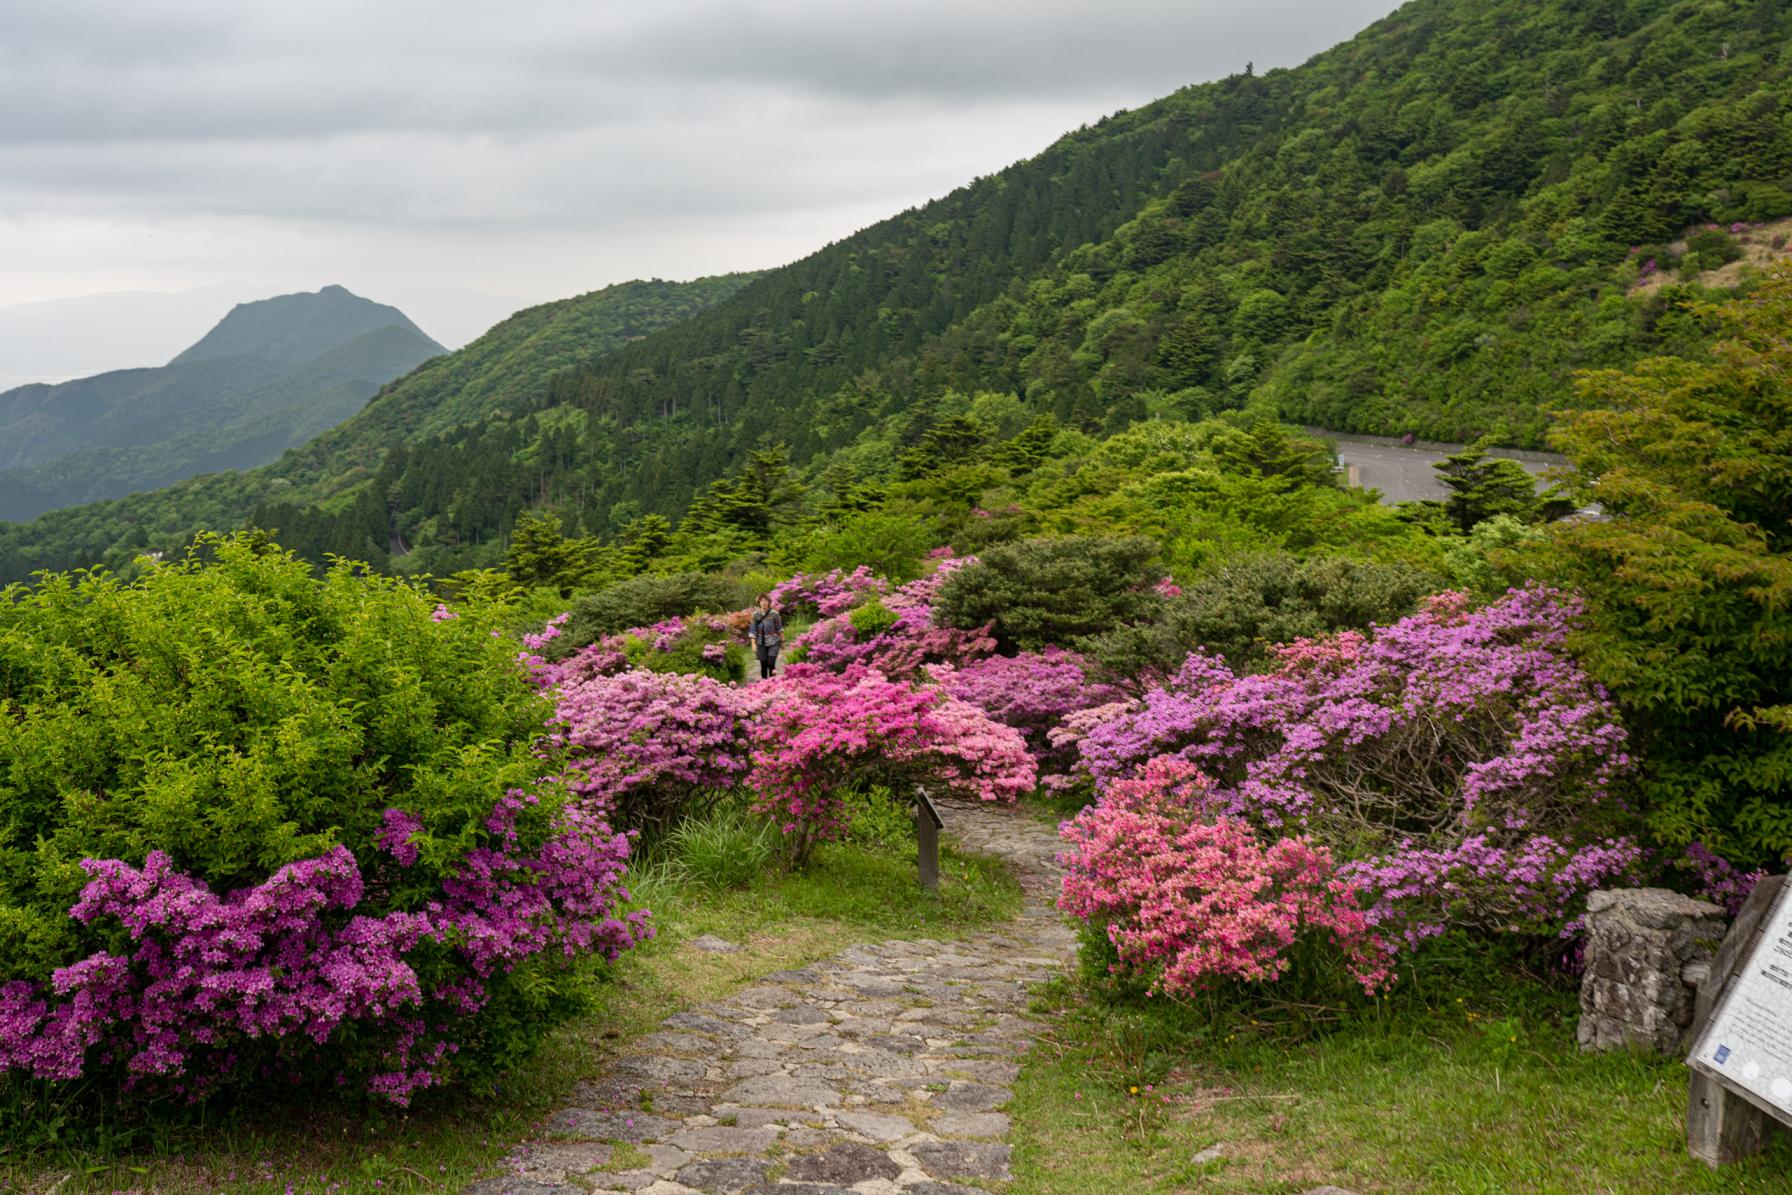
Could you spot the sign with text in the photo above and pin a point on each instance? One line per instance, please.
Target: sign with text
(1747, 1043)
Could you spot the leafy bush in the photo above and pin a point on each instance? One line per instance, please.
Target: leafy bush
(1460, 758)
(648, 599)
(650, 746)
(1241, 610)
(1189, 896)
(1710, 248)
(254, 823)
(823, 734)
(1689, 582)
(889, 544)
(1048, 592)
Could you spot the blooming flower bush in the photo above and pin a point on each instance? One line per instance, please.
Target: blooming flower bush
(650, 745)
(828, 594)
(1189, 896)
(1461, 756)
(259, 825)
(1033, 692)
(821, 734)
(900, 644)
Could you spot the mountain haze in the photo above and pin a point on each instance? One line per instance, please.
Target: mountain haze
(1428, 229)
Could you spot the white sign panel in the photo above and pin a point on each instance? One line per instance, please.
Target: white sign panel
(1748, 1042)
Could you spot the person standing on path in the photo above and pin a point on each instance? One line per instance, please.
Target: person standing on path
(768, 636)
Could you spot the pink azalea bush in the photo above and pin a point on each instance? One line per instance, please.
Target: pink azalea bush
(1189, 897)
(899, 645)
(650, 745)
(1034, 692)
(287, 967)
(827, 594)
(1460, 756)
(821, 733)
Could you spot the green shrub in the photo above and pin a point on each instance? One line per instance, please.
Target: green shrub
(236, 714)
(647, 599)
(1244, 607)
(893, 545)
(1709, 249)
(871, 619)
(1050, 591)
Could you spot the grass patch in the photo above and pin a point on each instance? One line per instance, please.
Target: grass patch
(851, 892)
(1463, 1087)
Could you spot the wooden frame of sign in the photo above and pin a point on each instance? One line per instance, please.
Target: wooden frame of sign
(928, 825)
(1741, 1055)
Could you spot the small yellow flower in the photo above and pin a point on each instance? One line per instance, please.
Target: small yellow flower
(1134, 1090)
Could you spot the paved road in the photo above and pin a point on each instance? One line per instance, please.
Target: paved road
(1403, 472)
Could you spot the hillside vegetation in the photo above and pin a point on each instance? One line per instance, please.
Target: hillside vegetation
(511, 360)
(271, 375)
(1427, 229)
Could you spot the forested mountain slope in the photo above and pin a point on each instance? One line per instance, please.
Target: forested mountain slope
(270, 375)
(510, 361)
(1427, 229)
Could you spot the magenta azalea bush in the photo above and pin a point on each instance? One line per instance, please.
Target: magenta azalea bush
(651, 746)
(1189, 897)
(827, 594)
(901, 644)
(1459, 759)
(821, 734)
(1034, 692)
(256, 826)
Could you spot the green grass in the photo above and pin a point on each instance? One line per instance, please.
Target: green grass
(849, 893)
(1477, 1087)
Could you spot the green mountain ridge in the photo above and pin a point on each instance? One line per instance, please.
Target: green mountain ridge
(1426, 229)
(514, 357)
(270, 374)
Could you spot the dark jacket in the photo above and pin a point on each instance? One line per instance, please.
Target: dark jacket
(768, 631)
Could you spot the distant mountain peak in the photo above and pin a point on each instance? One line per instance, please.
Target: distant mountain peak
(296, 328)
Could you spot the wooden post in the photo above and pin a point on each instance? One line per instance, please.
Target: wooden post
(927, 827)
(1721, 1126)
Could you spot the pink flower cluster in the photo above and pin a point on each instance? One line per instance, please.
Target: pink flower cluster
(646, 743)
(911, 641)
(1034, 692)
(1720, 881)
(1190, 896)
(1461, 756)
(293, 964)
(829, 594)
(821, 733)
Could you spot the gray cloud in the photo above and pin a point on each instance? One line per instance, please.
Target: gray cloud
(547, 146)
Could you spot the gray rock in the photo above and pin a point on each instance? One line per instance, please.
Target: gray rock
(724, 1139)
(875, 1125)
(624, 1180)
(971, 1124)
(962, 1096)
(520, 1186)
(698, 1022)
(657, 1068)
(1212, 1153)
(711, 944)
(724, 1176)
(590, 1124)
(781, 1091)
(801, 1014)
(847, 1163)
(961, 1159)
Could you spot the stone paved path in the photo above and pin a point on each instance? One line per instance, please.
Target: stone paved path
(881, 1070)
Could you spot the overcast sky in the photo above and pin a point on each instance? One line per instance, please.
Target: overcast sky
(464, 157)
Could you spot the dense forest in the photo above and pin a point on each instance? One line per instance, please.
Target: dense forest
(1426, 229)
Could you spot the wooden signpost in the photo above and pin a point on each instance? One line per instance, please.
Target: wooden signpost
(1741, 1056)
(927, 826)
